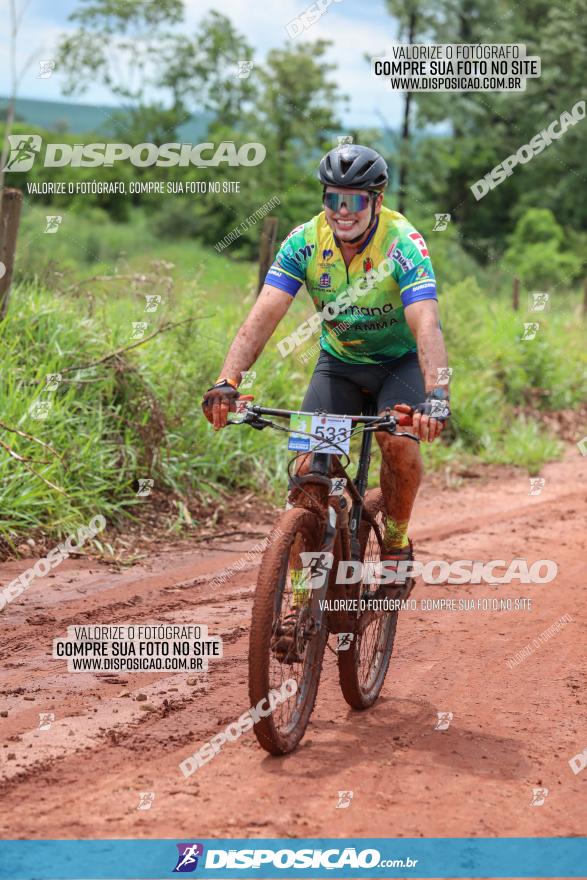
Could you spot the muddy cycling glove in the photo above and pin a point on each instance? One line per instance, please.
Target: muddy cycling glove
(436, 405)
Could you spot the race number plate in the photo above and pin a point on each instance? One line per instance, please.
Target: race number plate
(329, 429)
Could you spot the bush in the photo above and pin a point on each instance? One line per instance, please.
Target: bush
(535, 253)
(138, 415)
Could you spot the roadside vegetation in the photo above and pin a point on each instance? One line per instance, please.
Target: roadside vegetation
(121, 412)
(114, 412)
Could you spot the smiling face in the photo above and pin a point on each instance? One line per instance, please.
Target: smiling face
(346, 220)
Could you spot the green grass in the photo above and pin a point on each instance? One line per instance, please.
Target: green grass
(139, 415)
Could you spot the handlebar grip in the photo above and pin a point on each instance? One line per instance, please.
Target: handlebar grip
(401, 418)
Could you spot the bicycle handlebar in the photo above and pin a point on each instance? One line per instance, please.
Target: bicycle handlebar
(285, 413)
(385, 422)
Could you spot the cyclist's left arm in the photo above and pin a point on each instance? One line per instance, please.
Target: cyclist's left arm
(413, 272)
(415, 277)
(424, 321)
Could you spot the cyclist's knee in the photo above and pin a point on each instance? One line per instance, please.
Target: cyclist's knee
(396, 449)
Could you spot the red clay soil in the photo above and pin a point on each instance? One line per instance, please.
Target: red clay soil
(513, 729)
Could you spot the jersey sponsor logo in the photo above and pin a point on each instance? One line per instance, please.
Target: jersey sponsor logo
(327, 254)
(304, 253)
(426, 285)
(364, 311)
(276, 273)
(325, 280)
(422, 273)
(403, 262)
(367, 264)
(420, 243)
(366, 326)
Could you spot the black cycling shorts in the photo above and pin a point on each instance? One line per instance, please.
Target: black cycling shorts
(347, 389)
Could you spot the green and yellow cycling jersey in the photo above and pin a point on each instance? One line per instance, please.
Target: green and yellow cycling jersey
(372, 328)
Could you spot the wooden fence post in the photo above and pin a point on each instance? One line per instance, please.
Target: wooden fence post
(268, 237)
(9, 220)
(516, 294)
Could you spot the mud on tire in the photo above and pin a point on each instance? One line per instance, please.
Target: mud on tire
(277, 593)
(363, 667)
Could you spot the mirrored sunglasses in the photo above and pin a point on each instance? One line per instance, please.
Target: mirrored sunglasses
(354, 201)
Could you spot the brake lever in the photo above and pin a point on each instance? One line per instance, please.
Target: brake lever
(258, 423)
(253, 420)
(388, 426)
(395, 433)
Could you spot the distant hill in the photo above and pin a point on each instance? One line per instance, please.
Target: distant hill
(65, 116)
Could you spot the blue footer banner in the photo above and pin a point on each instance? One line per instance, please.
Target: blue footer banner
(359, 857)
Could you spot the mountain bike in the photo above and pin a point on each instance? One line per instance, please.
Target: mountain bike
(299, 600)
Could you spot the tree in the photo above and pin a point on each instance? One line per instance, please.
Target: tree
(487, 127)
(121, 43)
(536, 252)
(16, 76)
(413, 17)
(296, 108)
(214, 69)
(292, 111)
(10, 212)
(137, 49)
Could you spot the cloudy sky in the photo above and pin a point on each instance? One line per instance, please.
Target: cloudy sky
(355, 27)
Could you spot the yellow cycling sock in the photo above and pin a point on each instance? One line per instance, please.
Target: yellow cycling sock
(395, 535)
(299, 586)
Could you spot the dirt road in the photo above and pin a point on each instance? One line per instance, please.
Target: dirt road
(512, 730)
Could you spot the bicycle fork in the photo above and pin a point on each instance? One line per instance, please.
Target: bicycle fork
(361, 484)
(321, 568)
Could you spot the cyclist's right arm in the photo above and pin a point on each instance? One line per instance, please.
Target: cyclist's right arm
(249, 342)
(283, 281)
(259, 326)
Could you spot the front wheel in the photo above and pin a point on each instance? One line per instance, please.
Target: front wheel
(363, 666)
(287, 642)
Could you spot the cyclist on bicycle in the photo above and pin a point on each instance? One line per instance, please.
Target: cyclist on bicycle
(385, 345)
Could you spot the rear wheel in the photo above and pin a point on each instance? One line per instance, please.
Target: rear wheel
(285, 642)
(363, 667)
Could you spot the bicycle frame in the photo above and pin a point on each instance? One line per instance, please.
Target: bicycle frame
(325, 464)
(300, 597)
(341, 535)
